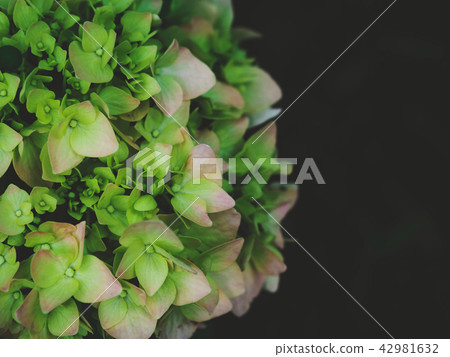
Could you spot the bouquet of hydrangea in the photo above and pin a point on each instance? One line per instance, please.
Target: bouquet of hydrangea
(100, 102)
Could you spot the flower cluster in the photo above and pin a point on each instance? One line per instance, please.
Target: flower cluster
(84, 87)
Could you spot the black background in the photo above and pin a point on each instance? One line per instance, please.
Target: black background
(376, 126)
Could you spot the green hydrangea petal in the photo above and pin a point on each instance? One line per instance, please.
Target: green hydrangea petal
(94, 140)
(96, 281)
(57, 294)
(111, 312)
(64, 319)
(190, 287)
(151, 271)
(47, 268)
(137, 324)
(159, 303)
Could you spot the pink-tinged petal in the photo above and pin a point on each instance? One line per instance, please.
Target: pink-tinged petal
(62, 156)
(29, 313)
(137, 295)
(230, 280)
(7, 272)
(226, 95)
(57, 294)
(206, 169)
(202, 310)
(226, 223)
(46, 268)
(194, 77)
(175, 325)
(198, 27)
(221, 257)
(190, 287)
(216, 199)
(261, 93)
(192, 207)
(159, 303)
(264, 116)
(67, 248)
(111, 312)
(35, 238)
(254, 283)
(9, 138)
(195, 313)
(126, 269)
(264, 143)
(79, 235)
(224, 306)
(210, 138)
(152, 232)
(94, 140)
(283, 200)
(266, 261)
(170, 99)
(272, 284)
(96, 281)
(210, 301)
(64, 320)
(27, 164)
(137, 324)
(279, 239)
(151, 271)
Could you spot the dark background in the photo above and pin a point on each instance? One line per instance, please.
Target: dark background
(376, 126)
